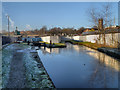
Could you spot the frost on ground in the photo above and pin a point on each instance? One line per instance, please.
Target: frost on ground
(36, 77)
(7, 54)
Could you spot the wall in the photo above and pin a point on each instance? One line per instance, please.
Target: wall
(6, 39)
(111, 39)
(54, 39)
(83, 38)
(46, 39)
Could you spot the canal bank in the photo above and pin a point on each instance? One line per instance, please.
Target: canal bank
(113, 52)
(28, 73)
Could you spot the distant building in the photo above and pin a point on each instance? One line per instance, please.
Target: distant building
(113, 27)
(17, 32)
(87, 29)
(90, 31)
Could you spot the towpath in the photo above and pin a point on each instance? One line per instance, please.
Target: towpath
(17, 69)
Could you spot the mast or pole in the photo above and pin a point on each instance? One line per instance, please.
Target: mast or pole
(8, 27)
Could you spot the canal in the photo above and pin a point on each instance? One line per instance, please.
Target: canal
(80, 67)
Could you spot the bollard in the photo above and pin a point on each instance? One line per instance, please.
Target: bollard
(50, 42)
(28, 42)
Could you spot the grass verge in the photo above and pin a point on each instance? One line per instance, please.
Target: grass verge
(89, 44)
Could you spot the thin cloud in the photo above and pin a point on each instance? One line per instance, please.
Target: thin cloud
(28, 27)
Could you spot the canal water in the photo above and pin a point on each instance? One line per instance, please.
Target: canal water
(80, 67)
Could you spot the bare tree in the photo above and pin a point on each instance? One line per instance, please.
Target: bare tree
(80, 30)
(93, 16)
(43, 31)
(104, 13)
(55, 31)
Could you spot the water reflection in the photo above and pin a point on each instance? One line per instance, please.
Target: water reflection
(80, 67)
(109, 66)
(50, 50)
(70, 47)
(103, 58)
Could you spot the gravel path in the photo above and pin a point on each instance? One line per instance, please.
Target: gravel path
(17, 70)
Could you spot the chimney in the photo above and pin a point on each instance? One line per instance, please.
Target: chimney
(100, 24)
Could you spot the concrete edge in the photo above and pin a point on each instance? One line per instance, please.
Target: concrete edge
(108, 52)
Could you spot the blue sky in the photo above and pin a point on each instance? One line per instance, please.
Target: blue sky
(32, 15)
